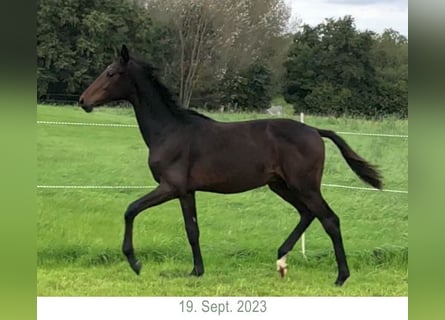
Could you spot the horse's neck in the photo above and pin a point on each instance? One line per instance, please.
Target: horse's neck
(153, 116)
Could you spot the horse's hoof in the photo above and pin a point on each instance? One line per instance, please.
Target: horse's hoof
(282, 266)
(197, 273)
(282, 271)
(339, 283)
(136, 267)
(341, 280)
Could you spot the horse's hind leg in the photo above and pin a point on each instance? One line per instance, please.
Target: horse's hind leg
(307, 217)
(331, 224)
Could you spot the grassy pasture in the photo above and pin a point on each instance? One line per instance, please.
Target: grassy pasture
(80, 230)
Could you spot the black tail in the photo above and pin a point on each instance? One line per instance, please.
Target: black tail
(366, 171)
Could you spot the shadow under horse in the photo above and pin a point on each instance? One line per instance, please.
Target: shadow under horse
(190, 152)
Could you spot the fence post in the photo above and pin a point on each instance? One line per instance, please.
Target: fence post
(303, 237)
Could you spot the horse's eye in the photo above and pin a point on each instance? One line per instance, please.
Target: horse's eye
(110, 74)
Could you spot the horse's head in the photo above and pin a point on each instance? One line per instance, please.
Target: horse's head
(111, 85)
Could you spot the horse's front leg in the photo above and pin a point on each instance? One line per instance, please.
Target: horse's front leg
(191, 225)
(159, 195)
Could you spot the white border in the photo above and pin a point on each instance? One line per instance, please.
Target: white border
(120, 308)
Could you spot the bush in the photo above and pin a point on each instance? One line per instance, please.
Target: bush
(248, 90)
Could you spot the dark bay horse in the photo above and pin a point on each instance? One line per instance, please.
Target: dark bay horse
(190, 152)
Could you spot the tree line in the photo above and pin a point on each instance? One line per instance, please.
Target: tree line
(231, 55)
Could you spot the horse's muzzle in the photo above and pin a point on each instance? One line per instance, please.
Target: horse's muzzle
(86, 107)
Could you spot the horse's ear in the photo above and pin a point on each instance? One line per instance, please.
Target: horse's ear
(125, 56)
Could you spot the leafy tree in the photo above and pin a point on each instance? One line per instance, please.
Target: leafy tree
(76, 37)
(391, 62)
(214, 37)
(248, 90)
(334, 69)
(195, 44)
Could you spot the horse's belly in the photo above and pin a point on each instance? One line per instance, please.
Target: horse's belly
(230, 177)
(230, 187)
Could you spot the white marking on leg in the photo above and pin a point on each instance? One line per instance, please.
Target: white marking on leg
(281, 263)
(194, 219)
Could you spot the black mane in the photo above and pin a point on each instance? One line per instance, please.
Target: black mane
(169, 99)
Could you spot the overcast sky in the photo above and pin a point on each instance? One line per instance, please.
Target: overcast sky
(375, 15)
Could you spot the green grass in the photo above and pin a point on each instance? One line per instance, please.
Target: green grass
(80, 231)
